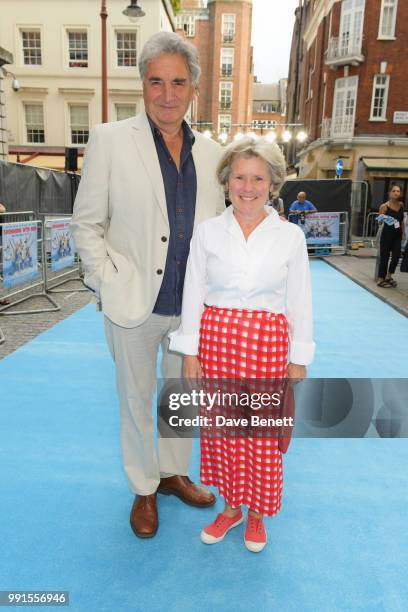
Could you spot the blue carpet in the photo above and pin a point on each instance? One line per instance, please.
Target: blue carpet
(339, 543)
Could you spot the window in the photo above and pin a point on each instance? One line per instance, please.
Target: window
(186, 23)
(351, 27)
(345, 95)
(228, 28)
(267, 107)
(224, 123)
(31, 41)
(388, 19)
(126, 48)
(259, 124)
(124, 111)
(202, 3)
(227, 61)
(78, 49)
(225, 95)
(79, 123)
(34, 119)
(380, 97)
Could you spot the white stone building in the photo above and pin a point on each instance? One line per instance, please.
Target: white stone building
(56, 46)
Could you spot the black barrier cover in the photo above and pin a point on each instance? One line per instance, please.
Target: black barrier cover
(326, 194)
(312, 408)
(37, 189)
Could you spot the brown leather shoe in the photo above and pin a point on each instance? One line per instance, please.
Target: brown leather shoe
(143, 516)
(4, 302)
(187, 491)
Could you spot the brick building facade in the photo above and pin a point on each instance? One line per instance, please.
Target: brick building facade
(269, 108)
(221, 30)
(351, 94)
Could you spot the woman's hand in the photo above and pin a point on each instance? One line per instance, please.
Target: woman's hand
(296, 371)
(191, 367)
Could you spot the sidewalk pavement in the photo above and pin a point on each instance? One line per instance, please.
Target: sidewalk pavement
(19, 329)
(360, 267)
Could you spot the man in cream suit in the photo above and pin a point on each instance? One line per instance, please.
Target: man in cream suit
(146, 182)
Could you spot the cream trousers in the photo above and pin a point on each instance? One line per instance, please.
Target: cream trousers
(134, 352)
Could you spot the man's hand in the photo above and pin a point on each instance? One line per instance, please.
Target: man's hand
(191, 367)
(296, 371)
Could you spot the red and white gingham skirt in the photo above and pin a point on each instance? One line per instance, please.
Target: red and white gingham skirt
(243, 344)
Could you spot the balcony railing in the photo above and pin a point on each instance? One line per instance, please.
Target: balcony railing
(326, 128)
(338, 127)
(226, 71)
(228, 37)
(343, 51)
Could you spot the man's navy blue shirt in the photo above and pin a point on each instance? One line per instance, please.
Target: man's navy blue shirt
(180, 187)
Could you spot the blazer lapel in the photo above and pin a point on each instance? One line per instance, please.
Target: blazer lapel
(200, 168)
(143, 139)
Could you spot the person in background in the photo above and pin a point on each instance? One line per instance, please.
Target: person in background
(247, 313)
(392, 234)
(277, 204)
(301, 207)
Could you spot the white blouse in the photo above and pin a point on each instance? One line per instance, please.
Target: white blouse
(269, 271)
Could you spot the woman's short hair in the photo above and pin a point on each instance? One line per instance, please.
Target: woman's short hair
(253, 146)
(169, 42)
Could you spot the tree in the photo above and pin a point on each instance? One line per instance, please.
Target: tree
(176, 5)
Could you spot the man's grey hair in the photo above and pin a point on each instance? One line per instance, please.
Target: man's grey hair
(253, 146)
(169, 42)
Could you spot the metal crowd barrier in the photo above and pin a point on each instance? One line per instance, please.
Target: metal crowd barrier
(370, 229)
(63, 277)
(5, 310)
(325, 250)
(14, 217)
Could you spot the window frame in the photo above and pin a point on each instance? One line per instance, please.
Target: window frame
(228, 51)
(351, 84)
(72, 104)
(225, 38)
(122, 105)
(30, 29)
(391, 36)
(226, 86)
(75, 30)
(39, 104)
(229, 123)
(115, 48)
(385, 104)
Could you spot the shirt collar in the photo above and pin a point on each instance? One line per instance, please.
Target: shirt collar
(187, 131)
(232, 225)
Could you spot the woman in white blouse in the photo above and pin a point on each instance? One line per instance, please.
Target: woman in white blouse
(247, 313)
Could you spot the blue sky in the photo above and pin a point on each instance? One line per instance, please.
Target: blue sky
(272, 28)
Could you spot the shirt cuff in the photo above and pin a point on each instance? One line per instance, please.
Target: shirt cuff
(184, 343)
(302, 353)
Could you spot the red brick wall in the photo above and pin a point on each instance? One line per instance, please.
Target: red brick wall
(375, 51)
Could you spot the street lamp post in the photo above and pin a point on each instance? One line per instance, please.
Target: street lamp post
(104, 16)
(133, 11)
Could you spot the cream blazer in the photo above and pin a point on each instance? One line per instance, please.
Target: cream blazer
(120, 223)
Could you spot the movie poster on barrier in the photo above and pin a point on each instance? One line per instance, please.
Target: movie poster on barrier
(321, 228)
(20, 258)
(62, 246)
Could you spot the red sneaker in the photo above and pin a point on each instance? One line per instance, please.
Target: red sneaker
(255, 534)
(218, 529)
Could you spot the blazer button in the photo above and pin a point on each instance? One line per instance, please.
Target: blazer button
(159, 271)
(164, 238)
